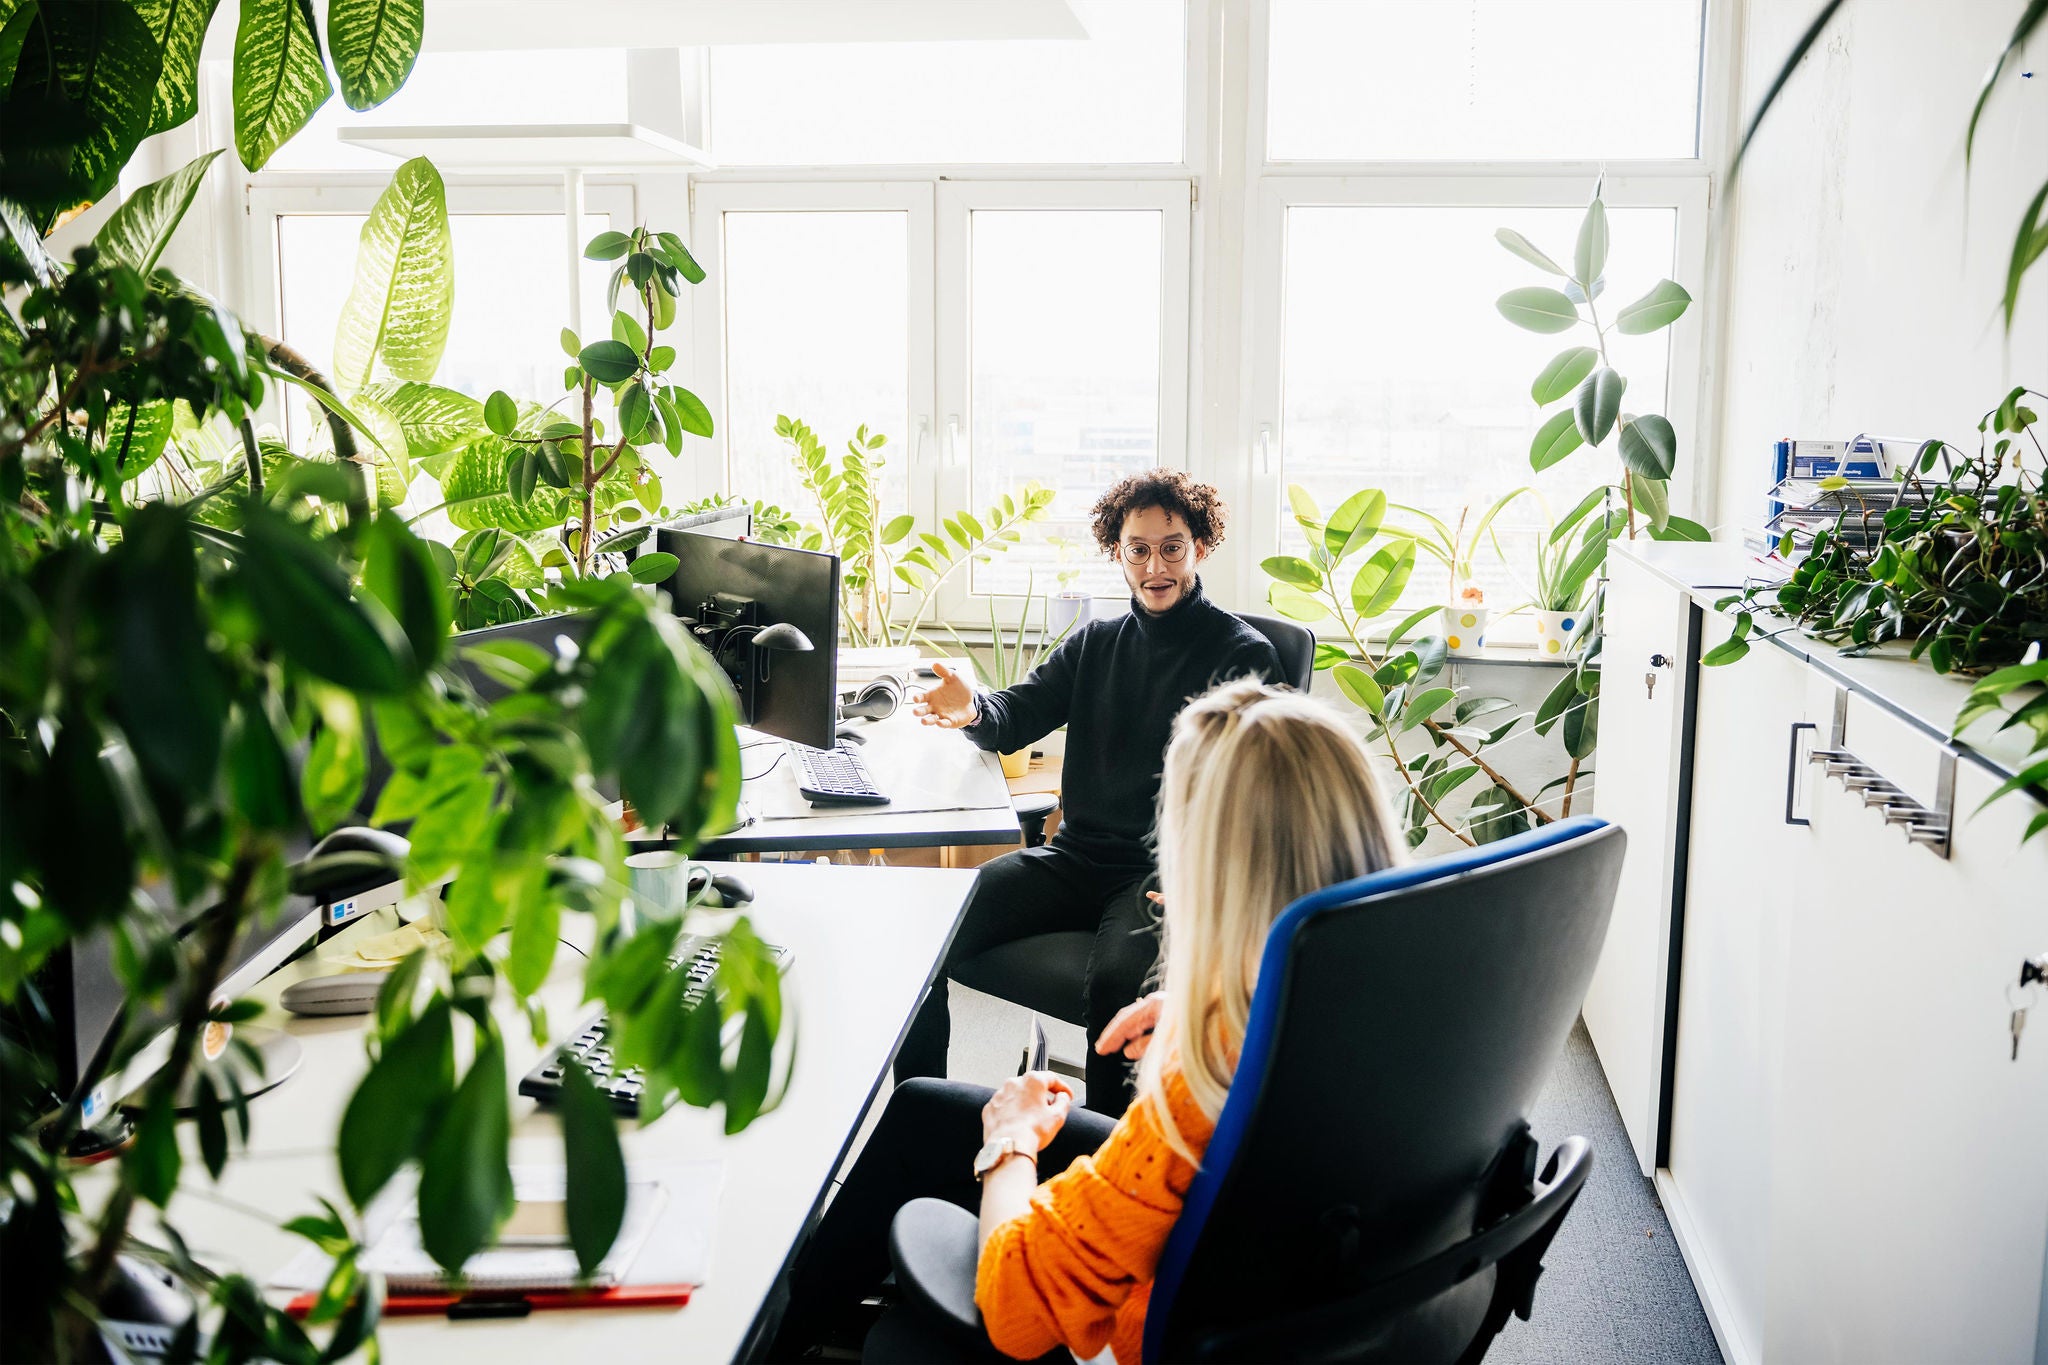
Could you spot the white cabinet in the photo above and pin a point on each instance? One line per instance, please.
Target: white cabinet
(1743, 863)
(1856, 1168)
(1635, 786)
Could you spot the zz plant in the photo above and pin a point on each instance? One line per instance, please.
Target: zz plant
(192, 683)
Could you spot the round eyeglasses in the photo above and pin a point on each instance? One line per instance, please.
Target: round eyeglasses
(1137, 552)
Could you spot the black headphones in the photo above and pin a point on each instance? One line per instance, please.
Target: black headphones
(876, 700)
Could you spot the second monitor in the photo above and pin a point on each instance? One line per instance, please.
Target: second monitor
(730, 593)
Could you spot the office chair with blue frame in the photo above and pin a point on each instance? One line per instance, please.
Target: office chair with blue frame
(1371, 1190)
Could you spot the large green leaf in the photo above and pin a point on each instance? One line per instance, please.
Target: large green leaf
(1598, 404)
(1661, 307)
(1294, 604)
(280, 80)
(373, 44)
(79, 104)
(1811, 35)
(1538, 309)
(596, 1169)
(1652, 498)
(2027, 246)
(387, 451)
(1649, 446)
(476, 483)
(1589, 258)
(1521, 246)
(303, 600)
(404, 290)
(1382, 579)
(1355, 522)
(1556, 439)
(399, 571)
(1358, 685)
(435, 420)
(465, 1181)
(1563, 374)
(179, 27)
(387, 1118)
(2031, 18)
(141, 228)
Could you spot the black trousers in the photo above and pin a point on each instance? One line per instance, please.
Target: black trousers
(923, 1146)
(1047, 890)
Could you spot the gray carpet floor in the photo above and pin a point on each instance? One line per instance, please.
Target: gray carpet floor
(1614, 1288)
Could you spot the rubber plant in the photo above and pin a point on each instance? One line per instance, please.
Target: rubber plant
(185, 704)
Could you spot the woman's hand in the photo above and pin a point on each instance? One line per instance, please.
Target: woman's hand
(1029, 1109)
(1131, 1031)
(948, 703)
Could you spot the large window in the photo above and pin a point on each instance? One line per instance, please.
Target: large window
(1107, 89)
(1398, 373)
(1483, 80)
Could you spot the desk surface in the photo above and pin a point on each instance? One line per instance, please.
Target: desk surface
(942, 790)
(865, 942)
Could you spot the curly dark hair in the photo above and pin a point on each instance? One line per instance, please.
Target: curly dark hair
(1194, 502)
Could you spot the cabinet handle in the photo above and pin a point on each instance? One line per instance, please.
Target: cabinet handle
(1792, 769)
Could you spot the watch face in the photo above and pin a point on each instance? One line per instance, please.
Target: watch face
(991, 1152)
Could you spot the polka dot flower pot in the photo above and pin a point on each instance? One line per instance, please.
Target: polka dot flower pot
(1464, 629)
(1558, 631)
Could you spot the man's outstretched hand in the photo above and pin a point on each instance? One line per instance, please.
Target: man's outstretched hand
(948, 703)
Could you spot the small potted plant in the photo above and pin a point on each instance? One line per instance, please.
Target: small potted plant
(1070, 605)
(1568, 557)
(1464, 609)
(1011, 656)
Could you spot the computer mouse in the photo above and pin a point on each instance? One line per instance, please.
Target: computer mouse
(341, 993)
(727, 889)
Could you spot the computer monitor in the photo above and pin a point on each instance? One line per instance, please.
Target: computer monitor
(729, 591)
(548, 632)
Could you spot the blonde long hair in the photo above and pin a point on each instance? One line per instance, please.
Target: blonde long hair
(1267, 796)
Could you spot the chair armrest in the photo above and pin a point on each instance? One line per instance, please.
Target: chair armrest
(936, 1247)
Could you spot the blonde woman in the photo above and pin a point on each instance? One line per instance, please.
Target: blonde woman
(1266, 797)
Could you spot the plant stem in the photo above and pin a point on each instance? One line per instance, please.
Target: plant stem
(301, 369)
(589, 484)
(1387, 732)
(1571, 779)
(217, 938)
(1443, 733)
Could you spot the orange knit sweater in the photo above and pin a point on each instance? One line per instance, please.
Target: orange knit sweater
(1076, 1270)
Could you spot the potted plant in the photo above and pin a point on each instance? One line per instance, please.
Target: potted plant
(1565, 571)
(1070, 606)
(1464, 608)
(1011, 657)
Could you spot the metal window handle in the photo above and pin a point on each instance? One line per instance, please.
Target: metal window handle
(1265, 449)
(953, 441)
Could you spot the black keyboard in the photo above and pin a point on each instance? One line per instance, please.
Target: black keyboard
(835, 777)
(590, 1044)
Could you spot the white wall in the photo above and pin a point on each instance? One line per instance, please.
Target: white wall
(1865, 281)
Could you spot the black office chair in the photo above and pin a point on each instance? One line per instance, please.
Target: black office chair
(1370, 1193)
(1048, 973)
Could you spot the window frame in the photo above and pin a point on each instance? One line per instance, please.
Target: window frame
(957, 203)
(268, 199)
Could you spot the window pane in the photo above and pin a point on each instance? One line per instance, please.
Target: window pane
(1399, 374)
(511, 298)
(574, 85)
(1065, 365)
(1115, 95)
(817, 329)
(1509, 80)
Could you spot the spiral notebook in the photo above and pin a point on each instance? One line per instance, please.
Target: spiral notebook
(402, 1259)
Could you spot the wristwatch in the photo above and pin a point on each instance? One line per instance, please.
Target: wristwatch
(994, 1154)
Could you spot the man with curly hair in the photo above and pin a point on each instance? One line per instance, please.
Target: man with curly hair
(1116, 684)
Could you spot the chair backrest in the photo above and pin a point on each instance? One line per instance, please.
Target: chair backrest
(1295, 643)
(1403, 1025)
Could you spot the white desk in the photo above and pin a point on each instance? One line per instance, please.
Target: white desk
(942, 789)
(866, 942)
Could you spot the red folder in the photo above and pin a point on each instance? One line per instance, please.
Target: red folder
(501, 1304)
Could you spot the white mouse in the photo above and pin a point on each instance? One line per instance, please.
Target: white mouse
(341, 993)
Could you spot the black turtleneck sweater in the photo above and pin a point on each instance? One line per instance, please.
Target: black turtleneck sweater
(1117, 686)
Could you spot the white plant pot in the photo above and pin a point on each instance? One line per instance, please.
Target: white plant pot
(1557, 632)
(1069, 608)
(1464, 629)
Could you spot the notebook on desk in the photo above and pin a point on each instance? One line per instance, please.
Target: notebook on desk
(533, 1250)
